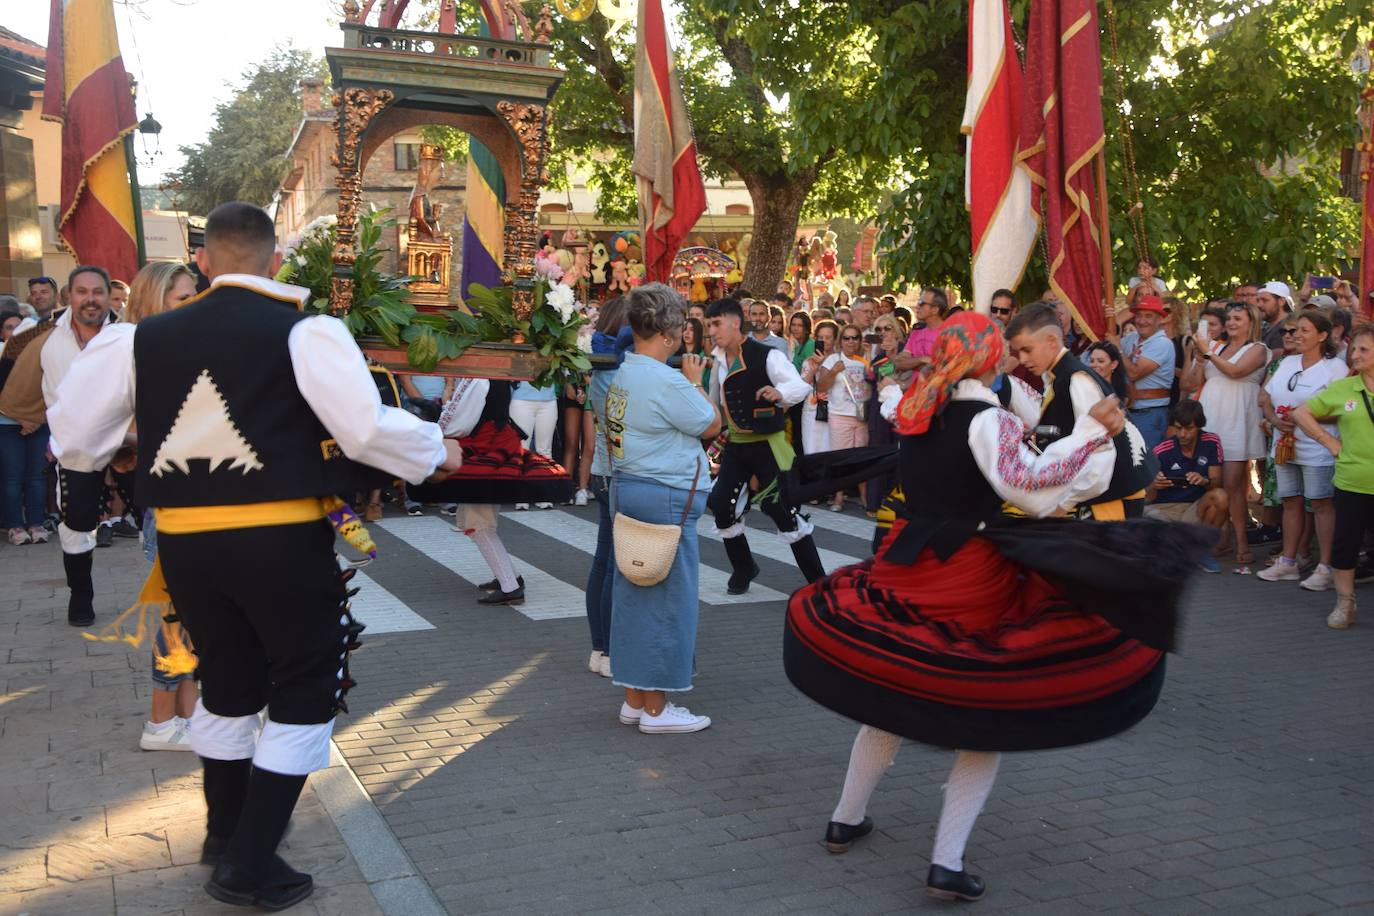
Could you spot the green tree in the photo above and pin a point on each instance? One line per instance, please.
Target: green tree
(244, 156)
(780, 98)
(1237, 116)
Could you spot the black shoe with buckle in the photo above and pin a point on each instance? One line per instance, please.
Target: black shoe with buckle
(839, 837)
(281, 888)
(495, 584)
(944, 884)
(500, 597)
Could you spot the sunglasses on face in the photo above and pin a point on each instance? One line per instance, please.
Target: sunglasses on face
(996, 311)
(1289, 332)
(849, 337)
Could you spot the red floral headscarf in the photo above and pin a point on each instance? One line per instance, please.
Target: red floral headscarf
(969, 345)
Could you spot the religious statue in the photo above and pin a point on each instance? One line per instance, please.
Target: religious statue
(429, 249)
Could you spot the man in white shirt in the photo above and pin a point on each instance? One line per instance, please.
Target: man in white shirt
(754, 385)
(249, 412)
(759, 316)
(81, 493)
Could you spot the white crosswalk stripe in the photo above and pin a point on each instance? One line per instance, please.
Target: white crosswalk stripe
(546, 597)
(767, 543)
(382, 611)
(840, 522)
(580, 534)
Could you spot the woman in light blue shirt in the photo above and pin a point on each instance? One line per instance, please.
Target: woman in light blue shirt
(656, 418)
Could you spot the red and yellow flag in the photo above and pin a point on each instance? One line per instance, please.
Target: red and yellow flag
(1061, 132)
(672, 195)
(88, 92)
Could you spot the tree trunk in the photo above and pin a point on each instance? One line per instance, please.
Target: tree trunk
(778, 204)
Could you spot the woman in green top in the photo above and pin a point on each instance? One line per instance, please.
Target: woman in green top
(800, 346)
(1349, 402)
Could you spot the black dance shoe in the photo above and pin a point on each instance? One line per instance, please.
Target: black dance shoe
(80, 611)
(283, 887)
(738, 584)
(495, 584)
(500, 597)
(213, 850)
(943, 884)
(839, 837)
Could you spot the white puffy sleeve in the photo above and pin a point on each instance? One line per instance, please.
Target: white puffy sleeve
(1025, 401)
(888, 399)
(784, 377)
(1071, 471)
(334, 380)
(94, 403)
(1085, 393)
(464, 408)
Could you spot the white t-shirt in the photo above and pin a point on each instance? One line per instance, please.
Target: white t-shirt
(841, 403)
(1290, 386)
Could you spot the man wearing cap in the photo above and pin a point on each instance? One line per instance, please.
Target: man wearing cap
(1274, 300)
(1147, 355)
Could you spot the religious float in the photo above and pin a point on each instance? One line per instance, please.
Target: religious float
(496, 89)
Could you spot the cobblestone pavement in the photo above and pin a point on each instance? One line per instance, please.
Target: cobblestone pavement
(496, 758)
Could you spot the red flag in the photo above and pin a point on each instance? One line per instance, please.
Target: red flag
(88, 91)
(671, 193)
(1061, 133)
(1366, 305)
(998, 193)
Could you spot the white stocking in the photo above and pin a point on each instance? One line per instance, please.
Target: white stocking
(494, 552)
(970, 781)
(874, 750)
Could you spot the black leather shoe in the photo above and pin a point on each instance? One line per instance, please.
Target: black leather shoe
(213, 850)
(104, 536)
(283, 888)
(80, 611)
(738, 584)
(500, 597)
(943, 884)
(495, 584)
(839, 837)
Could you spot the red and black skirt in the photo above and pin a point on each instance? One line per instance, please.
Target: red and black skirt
(983, 652)
(498, 469)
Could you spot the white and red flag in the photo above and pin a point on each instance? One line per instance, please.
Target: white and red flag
(671, 193)
(997, 191)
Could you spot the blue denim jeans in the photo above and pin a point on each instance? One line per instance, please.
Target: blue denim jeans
(23, 476)
(599, 579)
(1153, 423)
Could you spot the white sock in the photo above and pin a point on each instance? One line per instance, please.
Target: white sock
(970, 781)
(494, 552)
(874, 750)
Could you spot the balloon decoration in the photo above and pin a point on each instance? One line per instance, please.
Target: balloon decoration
(620, 12)
(575, 10)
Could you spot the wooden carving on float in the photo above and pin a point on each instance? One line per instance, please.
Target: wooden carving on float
(389, 79)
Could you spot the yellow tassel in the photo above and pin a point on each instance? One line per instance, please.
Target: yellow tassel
(349, 526)
(153, 604)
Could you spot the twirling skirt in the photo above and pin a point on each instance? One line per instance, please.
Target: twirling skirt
(497, 469)
(982, 652)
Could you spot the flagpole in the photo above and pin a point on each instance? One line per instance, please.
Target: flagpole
(1104, 233)
(132, 163)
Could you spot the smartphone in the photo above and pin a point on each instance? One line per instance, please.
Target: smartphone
(873, 338)
(1323, 282)
(1202, 327)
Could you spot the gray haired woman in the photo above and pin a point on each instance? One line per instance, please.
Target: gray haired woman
(656, 418)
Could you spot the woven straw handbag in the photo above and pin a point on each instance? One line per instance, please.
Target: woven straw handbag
(644, 551)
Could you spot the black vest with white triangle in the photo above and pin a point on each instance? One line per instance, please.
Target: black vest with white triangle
(748, 412)
(220, 419)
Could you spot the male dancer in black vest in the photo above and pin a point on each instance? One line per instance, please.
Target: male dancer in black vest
(248, 411)
(754, 385)
(1071, 389)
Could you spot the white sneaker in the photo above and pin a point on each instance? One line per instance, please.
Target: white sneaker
(1344, 614)
(522, 507)
(1321, 579)
(674, 720)
(19, 537)
(629, 715)
(594, 663)
(543, 505)
(605, 669)
(1282, 570)
(580, 498)
(172, 735)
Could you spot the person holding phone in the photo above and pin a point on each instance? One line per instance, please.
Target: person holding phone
(816, 409)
